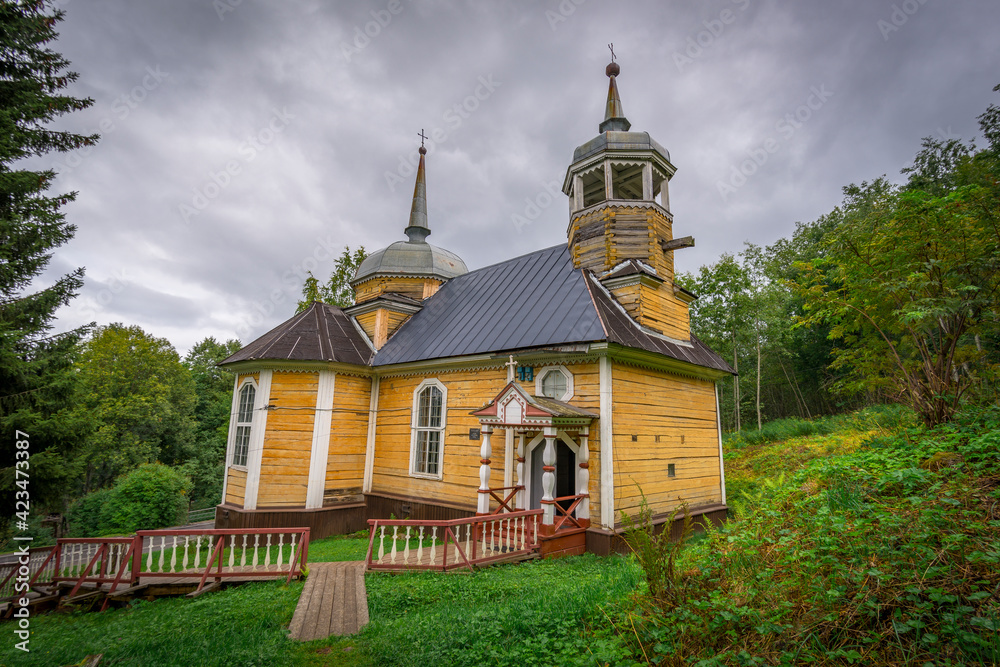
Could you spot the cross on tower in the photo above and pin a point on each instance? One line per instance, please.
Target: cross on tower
(612, 47)
(422, 137)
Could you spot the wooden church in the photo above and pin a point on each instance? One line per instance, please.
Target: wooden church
(565, 380)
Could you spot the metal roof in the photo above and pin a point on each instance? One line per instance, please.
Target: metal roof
(319, 333)
(529, 301)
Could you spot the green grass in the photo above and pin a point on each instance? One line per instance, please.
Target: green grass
(873, 544)
(242, 626)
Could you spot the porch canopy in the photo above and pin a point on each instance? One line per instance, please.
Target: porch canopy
(516, 410)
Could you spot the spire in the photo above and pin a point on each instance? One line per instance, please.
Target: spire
(418, 231)
(614, 115)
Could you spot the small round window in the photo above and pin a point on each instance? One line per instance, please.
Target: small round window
(555, 382)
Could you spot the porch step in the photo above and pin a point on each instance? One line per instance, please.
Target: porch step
(568, 542)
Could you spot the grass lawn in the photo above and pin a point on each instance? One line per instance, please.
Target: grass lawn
(534, 613)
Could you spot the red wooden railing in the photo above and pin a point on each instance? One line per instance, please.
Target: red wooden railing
(400, 544)
(505, 503)
(125, 561)
(565, 511)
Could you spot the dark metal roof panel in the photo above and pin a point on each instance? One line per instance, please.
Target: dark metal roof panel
(623, 330)
(530, 301)
(320, 333)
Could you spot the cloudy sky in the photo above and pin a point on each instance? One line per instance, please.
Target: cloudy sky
(245, 142)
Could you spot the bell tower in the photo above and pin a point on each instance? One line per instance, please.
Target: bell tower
(620, 224)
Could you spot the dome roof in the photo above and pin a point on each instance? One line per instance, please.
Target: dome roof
(407, 258)
(620, 141)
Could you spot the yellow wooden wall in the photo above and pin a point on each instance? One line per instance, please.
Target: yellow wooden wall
(236, 487)
(345, 467)
(467, 391)
(367, 322)
(415, 288)
(284, 468)
(681, 412)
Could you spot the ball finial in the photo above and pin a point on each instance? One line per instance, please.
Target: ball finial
(422, 150)
(613, 69)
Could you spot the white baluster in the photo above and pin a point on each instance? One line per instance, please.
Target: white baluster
(468, 540)
(173, 556)
(549, 477)
(243, 555)
(406, 547)
(291, 550)
(163, 551)
(149, 557)
(434, 533)
(485, 451)
(381, 544)
(519, 499)
(583, 476)
(281, 544)
(267, 552)
(420, 546)
(458, 534)
(232, 551)
(256, 545)
(197, 552)
(392, 554)
(184, 563)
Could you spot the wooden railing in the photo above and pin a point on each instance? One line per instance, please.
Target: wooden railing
(505, 503)
(397, 544)
(9, 577)
(565, 511)
(166, 554)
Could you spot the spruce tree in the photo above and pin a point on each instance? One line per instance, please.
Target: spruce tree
(36, 382)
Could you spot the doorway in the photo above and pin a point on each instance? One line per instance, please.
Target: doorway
(566, 468)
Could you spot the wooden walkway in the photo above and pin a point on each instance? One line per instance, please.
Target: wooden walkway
(333, 601)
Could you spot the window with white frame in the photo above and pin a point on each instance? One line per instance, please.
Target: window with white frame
(430, 405)
(555, 382)
(244, 419)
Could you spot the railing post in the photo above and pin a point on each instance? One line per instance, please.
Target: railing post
(136, 558)
(549, 480)
(485, 451)
(583, 477)
(519, 502)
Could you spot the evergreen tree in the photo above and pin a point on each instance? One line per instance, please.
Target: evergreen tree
(36, 385)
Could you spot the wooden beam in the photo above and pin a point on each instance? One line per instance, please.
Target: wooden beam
(677, 244)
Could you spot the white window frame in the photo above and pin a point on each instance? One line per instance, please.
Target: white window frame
(555, 369)
(237, 424)
(415, 429)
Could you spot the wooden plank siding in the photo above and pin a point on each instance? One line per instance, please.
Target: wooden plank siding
(345, 468)
(236, 487)
(468, 390)
(681, 411)
(415, 288)
(284, 468)
(367, 322)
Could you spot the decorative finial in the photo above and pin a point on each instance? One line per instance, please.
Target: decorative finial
(613, 69)
(423, 151)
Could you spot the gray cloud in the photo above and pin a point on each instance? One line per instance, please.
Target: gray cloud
(351, 110)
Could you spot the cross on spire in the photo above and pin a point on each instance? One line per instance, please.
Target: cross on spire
(612, 47)
(422, 137)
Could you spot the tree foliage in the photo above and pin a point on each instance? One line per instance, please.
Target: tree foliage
(337, 291)
(142, 401)
(36, 384)
(911, 281)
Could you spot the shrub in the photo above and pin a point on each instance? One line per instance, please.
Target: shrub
(88, 516)
(151, 496)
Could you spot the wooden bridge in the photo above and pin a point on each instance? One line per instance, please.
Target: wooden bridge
(150, 564)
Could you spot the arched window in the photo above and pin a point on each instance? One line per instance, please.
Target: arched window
(244, 420)
(429, 413)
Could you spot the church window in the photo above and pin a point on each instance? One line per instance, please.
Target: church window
(244, 419)
(555, 382)
(429, 415)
